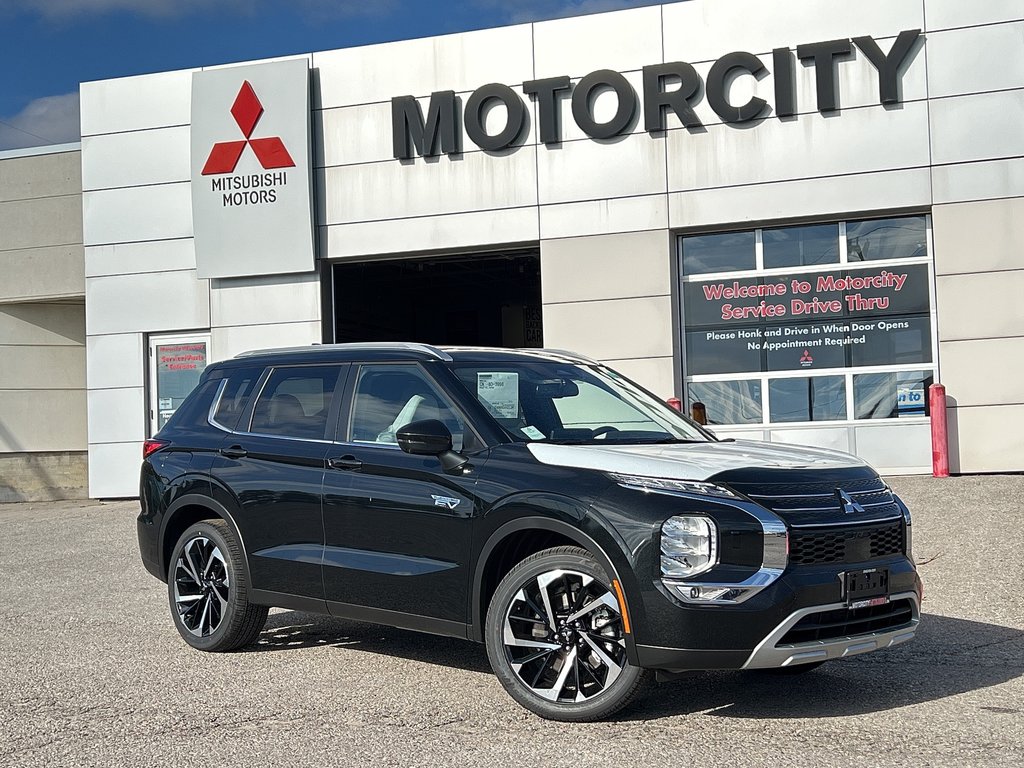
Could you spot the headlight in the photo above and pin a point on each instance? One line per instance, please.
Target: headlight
(663, 484)
(689, 546)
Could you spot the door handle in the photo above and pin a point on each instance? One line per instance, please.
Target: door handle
(344, 462)
(234, 452)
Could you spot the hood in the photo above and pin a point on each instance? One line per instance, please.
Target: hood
(691, 461)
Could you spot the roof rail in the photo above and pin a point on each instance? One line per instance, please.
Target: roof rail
(572, 356)
(426, 349)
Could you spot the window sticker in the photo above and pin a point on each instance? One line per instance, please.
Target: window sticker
(500, 392)
(532, 432)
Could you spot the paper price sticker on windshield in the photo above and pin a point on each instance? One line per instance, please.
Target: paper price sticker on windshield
(500, 391)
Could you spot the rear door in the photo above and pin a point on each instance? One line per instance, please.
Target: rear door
(272, 468)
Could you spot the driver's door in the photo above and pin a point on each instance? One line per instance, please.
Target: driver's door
(397, 526)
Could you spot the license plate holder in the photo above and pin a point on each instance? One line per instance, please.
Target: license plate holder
(867, 587)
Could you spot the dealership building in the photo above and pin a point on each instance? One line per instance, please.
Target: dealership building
(799, 214)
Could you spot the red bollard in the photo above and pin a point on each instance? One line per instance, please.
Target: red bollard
(676, 403)
(940, 440)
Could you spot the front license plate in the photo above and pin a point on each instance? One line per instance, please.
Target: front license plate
(867, 587)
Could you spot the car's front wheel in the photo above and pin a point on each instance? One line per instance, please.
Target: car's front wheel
(556, 640)
(207, 590)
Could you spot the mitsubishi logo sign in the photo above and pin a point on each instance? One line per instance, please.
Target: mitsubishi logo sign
(270, 151)
(251, 170)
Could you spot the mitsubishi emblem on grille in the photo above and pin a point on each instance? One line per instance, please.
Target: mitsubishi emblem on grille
(846, 502)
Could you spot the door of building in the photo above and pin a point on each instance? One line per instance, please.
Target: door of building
(175, 364)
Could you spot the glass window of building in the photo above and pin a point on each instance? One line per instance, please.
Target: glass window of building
(801, 246)
(820, 300)
(877, 239)
(727, 252)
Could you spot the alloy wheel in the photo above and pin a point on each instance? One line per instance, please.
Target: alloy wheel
(563, 636)
(201, 586)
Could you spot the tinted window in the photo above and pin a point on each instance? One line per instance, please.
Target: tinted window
(718, 253)
(295, 402)
(388, 397)
(727, 402)
(822, 398)
(801, 246)
(193, 411)
(238, 389)
(901, 238)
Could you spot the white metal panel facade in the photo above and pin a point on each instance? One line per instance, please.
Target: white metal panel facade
(954, 139)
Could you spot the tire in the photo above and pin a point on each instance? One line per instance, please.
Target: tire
(207, 590)
(576, 670)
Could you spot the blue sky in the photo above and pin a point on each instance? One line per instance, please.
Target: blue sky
(50, 46)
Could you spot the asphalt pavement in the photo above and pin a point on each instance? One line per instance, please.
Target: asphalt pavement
(92, 672)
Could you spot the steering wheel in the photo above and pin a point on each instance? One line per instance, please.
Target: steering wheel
(604, 431)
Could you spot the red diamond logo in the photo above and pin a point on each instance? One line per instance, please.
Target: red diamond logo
(247, 109)
(270, 151)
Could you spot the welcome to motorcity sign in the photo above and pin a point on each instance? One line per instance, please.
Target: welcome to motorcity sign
(251, 196)
(673, 87)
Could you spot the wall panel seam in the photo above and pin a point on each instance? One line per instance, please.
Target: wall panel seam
(137, 130)
(61, 196)
(137, 186)
(609, 299)
(1004, 337)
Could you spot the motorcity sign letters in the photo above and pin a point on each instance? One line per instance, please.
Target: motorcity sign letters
(828, 319)
(671, 87)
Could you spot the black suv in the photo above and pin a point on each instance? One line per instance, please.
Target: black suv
(532, 500)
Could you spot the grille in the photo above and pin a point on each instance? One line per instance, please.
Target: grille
(846, 622)
(849, 545)
(820, 497)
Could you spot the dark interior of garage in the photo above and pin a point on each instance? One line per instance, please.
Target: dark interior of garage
(490, 299)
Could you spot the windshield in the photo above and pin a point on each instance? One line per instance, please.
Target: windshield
(565, 403)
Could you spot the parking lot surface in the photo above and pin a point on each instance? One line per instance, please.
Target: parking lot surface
(93, 673)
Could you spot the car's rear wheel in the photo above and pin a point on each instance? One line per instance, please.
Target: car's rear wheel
(208, 592)
(556, 640)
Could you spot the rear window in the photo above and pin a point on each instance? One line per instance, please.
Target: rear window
(295, 402)
(192, 412)
(238, 390)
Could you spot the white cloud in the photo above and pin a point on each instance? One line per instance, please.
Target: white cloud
(64, 10)
(536, 10)
(49, 120)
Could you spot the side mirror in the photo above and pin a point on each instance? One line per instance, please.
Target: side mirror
(429, 437)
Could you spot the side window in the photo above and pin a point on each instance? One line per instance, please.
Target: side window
(238, 390)
(387, 397)
(295, 402)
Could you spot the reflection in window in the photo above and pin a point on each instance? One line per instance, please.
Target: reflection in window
(727, 402)
(891, 395)
(235, 397)
(901, 238)
(727, 252)
(801, 246)
(295, 402)
(389, 397)
(821, 398)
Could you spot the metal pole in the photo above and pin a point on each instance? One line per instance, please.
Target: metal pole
(940, 438)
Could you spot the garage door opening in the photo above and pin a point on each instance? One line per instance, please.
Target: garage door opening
(488, 300)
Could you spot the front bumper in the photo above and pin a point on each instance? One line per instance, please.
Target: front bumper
(772, 653)
(676, 636)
